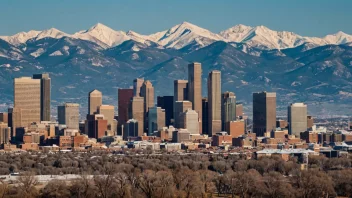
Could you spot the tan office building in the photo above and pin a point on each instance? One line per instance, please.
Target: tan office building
(5, 133)
(147, 92)
(26, 102)
(297, 118)
(191, 121)
(214, 102)
(195, 89)
(137, 85)
(136, 112)
(109, 112)
(45, 98)
(68, 115)
(228, 108)
(180, 92)
(95, 99)
(180, 108)
(156, 119)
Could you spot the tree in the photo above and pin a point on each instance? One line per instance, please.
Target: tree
(55, 189)
(27, 182)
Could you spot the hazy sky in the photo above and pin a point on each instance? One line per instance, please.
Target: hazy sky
(305, 17)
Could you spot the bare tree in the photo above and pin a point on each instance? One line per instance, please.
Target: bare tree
(27, 182)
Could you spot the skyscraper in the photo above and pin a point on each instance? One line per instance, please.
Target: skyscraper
(45, 95)
(239, 109)
(68, 115)
(124, 98)
(97, 126)
(228, 108)
(180, 108)
(147, 92)
(109, 112)
(131, 129)
(95, 99)
(156, 119)
(136, 111)
(195, 89)
(214, 102)
(180, 92)
(167, 103)
(5, 133)
(191, 121)
(205, 115)
(26, 102)
(137, 84)
(264, 112)
(297, 118)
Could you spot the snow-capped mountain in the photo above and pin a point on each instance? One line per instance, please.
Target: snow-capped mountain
(102, 35)
(187, 36)
(20, 38)
(183, 34)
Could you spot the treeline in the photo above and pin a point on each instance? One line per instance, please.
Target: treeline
(160, 176)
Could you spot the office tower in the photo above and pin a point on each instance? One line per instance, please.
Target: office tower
(195, 89)
(156, 119)
(310, 122)
(147, 92)
(136, 111)
(97, 126)
(264, 112)
(191, 121)
(124, 98)
(68, 115)
(181, 135)
(239, 110)
(180, 91)
(109, 112)
(167, 103)
(205, 108)
(95, 99)
(45, 95)
(4, 117)
(235, 128)
(5, 133)
(131, 129)
(180, 108)
(214, 102)
(228, 108)
(26, 102)
(297, 118)
(137, 84)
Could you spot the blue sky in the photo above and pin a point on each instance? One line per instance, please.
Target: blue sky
(305, 17)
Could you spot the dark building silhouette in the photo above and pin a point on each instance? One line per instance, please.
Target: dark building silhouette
(167, 103)
(205, 115)
(264, 112)
(45, 95)
(124, 98)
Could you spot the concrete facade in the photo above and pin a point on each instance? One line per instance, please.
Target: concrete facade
(214, 102)
(156, 119)
(180, 108)
(136, 111)
(95, 99)
(195, 89)
(45, 96)
(297, 118)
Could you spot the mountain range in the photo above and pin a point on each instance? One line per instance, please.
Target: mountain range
(314, 70)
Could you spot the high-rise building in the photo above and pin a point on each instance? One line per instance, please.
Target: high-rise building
(214, 102)
(124, 98)
(297, 118)
(136, 111)
(4, 117)
(180, 92)
(156, 119)
(45, 95)
(264, 112)
(228, 108)
(239, 110)
(97, 126)
(205, 115)
(68, 115)
(137, 84)
(191, 121)
(180, 108)
(131, 129)
(5, 133)
(109, 113)
(95, 99)
(26, 102)
(310, 122)
(235, 128)
(167, 103)
(181, 135)
(147, 92)
(195, 89)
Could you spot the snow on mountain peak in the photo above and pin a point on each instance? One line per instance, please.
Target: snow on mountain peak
(51, 33)
(102, 35)
(182, 34)
(20, 37)
(338, 38)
